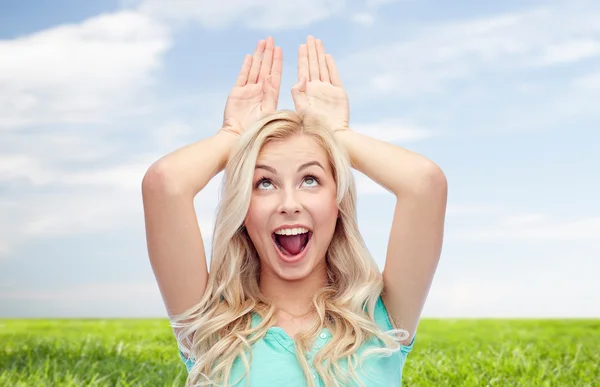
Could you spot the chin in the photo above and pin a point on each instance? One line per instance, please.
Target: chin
(294, 274)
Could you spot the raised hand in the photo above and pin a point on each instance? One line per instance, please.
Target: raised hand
(256, 90)
(319, 91)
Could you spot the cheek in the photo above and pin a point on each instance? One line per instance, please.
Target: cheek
(325, 210)
(256, 221)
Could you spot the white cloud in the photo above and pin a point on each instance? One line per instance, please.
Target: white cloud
(391, 131)
(589, 81)
(72, 212)
(534, 227)
(93, 200)
(85, 182)
(37, 158)
(97, 299)
(570, 51)
(91, 292)
(377, 3)
(364, 18)
(173, 134)
(80, 72)
(507, 296)
(429, 59)
(82, 181)
(43, 171)
(521, 220)
(456, 209)
(525, 278)
(265, 15)
(366, 186)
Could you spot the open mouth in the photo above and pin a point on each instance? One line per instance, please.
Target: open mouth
(292, 244)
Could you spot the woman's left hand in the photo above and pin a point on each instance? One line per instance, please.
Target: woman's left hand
(319, 91)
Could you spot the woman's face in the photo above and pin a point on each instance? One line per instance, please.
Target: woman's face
(293, 210)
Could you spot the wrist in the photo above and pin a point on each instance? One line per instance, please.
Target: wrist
(233, 126)
(228, 131)
(225, 140)
(227, 135)
(346, 138)
(342, 132)
(341, 129)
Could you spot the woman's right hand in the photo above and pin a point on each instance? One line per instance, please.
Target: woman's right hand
(256, 90)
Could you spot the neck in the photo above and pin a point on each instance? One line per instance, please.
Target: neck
(293, 297)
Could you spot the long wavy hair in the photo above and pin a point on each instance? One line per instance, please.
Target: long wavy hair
(219, 329)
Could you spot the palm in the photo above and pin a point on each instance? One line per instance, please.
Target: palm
(256, 90)
(319, 91)
(326, 101)
(245, 105)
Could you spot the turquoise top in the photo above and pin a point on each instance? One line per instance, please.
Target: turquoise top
(274, 361)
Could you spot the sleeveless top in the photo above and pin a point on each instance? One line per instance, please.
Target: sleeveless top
(274, 360)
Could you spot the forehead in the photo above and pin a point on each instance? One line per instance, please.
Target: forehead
(293, 150)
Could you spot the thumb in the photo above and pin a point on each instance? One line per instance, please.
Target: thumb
(302, 84)
(299, 87)
(299, 95)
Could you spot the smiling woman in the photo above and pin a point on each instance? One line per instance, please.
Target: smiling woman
(295, 205)
(293, 296)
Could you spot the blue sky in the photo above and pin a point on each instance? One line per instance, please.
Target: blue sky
(503, 96)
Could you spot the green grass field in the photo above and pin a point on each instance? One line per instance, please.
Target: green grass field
(447, 353)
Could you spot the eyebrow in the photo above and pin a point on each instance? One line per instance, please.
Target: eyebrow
(303, 166)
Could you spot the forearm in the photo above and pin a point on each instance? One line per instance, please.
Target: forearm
(399, 170)
(189, 169)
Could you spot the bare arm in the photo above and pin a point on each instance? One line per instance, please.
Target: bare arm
(415, 242)
(173, 237)
(174, 240)
(419, 185)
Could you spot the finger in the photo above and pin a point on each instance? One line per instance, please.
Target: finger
(256, 59)
(323, 71)
(333, 71)
(243, 75)
(277, 69)
(313, 61)
(265, 67)
(303, 62)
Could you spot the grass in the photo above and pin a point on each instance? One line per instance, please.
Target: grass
(124, 353)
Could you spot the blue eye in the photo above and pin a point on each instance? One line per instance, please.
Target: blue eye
(311, 180)
(264, 184)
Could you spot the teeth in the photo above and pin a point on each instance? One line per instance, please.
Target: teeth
(292, 231)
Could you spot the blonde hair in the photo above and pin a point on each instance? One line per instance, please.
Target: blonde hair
(219, 329)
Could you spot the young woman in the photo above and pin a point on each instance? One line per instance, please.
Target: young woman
(293, 297)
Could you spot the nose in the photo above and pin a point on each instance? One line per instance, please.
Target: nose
(289, 203)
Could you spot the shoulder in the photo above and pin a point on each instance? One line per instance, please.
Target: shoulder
(382, 319)
(188, 361)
